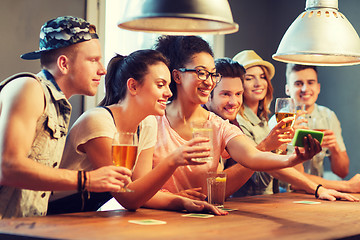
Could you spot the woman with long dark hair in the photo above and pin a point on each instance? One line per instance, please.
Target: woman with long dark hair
(194, 76)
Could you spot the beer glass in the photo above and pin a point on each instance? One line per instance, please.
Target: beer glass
(284, 107)
(124, 151)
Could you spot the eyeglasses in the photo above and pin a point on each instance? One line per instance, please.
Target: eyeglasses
(203, 74)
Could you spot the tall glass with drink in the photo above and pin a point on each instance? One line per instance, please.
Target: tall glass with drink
(216, 188)
(300, 114)
(314, 165)
(284, 107)
(203, 129)
(124, 151)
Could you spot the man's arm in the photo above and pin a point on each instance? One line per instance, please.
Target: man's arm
(340, 163)
(22, 103)
(236, 176)
(301, 182)
(350, 186)
(333, 140)
(244, 152)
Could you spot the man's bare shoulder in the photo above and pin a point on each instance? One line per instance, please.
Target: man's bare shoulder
(23, 94)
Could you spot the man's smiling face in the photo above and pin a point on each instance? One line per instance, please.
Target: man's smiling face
(227, 98)
(303, 86)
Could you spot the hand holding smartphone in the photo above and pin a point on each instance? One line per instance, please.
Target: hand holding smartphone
(301, 133)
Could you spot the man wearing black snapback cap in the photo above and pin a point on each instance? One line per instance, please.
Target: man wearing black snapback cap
(34, 120)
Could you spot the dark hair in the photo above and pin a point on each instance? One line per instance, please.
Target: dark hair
(121, 68)
(179, 50)
(291, 67)
(229, 68)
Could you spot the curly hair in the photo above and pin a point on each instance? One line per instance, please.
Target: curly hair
(179, 50)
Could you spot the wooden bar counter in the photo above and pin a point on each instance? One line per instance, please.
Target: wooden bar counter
(258, 217)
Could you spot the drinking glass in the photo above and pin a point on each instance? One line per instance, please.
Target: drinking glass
(284, 107)
(320, 125)
(203, 129)
(124, 151)
(216, 186)
(300, 108)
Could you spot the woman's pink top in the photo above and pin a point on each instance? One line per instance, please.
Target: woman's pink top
(185, 177)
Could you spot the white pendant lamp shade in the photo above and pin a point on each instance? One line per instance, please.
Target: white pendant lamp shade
(179, 17)
(320, 36)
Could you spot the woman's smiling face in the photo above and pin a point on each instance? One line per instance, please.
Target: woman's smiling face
(154, 92)
(197, 90)
(255, 85)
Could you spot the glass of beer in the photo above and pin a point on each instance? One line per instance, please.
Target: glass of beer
(284, 107)
(124, 151)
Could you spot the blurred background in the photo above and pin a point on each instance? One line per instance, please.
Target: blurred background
(262, 24)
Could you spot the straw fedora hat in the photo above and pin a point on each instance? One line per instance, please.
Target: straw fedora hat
(249, 58)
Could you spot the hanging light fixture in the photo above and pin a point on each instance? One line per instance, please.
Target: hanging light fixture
(181, 17)
(320, 36)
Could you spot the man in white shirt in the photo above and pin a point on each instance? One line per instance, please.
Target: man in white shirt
(303, 86)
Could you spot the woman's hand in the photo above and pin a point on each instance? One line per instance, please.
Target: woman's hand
(193, 193)
(201, 206)
(192, 149)
(278, 136)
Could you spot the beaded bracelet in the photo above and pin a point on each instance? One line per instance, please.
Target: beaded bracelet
(83, 188)
(79, 183)
(83, 192)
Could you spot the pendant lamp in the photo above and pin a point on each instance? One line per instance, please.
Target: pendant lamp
(320, 36)
(179, 17)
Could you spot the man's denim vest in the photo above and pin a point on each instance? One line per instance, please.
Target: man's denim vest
(46, 149)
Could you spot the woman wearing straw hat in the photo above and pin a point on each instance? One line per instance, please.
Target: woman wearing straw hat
(253, 117)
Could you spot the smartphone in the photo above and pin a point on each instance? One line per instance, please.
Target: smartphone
(301, 133)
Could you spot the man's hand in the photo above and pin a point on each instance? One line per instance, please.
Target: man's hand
(329, 140)
(108, 179)
(333, 195)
